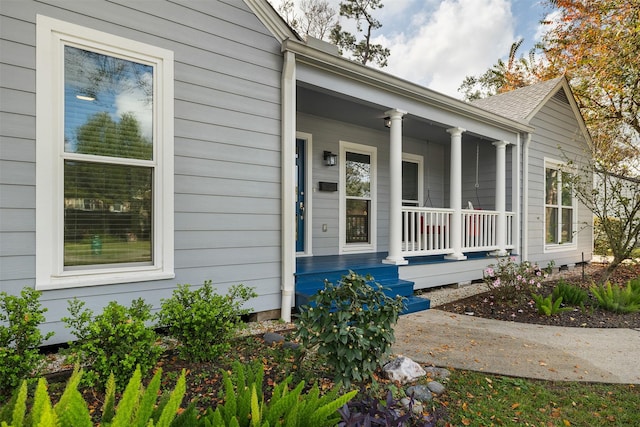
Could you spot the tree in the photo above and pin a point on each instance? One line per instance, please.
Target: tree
(316, 17)
(503, 77)
(363, 51)
(597, 45)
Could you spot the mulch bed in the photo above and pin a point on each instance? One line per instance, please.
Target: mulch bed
(489, 306)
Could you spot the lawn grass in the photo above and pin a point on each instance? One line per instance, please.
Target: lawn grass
(478, 399)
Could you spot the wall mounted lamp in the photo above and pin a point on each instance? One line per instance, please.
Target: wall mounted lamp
(330, 159)
(387, 122)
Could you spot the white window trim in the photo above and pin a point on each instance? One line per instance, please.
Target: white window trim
(419, 159)
(373, 215)
(51, 34)
(558, 247)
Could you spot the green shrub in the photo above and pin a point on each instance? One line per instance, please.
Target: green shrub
(618, 299)
(244, 404)
(510, 280)
(115, 341)
(571, 294)
(203, 321)
(137, 407)
(20, 337)
(351, 324)
(549, 305)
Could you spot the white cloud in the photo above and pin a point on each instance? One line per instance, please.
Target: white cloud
(135, 101)
(459, 38)
(436, 43)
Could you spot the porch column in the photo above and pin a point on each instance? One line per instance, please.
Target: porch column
(501, 197)
(395, 189)
(455, 194)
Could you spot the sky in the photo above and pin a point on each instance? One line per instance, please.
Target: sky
(436, 43)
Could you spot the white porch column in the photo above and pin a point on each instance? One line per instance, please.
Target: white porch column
(501, 197)
(455, 194)
(395, 189)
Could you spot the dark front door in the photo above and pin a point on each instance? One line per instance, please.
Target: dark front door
(300, 194)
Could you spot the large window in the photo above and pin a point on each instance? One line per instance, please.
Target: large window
(104, 158)
(559, 206)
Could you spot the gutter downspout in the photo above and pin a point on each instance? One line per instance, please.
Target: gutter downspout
(288, 250)
(525, 198)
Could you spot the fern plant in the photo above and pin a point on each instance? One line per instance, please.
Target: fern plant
(244, 404)
(549, 306)
(618, 299)
(137, 407)
(571, 294)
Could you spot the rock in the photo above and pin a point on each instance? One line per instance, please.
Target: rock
(291, 345)
(435, 387)
(272, 338)
(420, 393)
(403, 370)
(439, 373)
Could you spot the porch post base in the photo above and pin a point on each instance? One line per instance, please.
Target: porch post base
(395, 261)
(455, 257)
(499, 253)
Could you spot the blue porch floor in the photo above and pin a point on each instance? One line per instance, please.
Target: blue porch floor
(311, 272)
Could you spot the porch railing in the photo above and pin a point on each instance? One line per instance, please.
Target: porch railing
(427, 231)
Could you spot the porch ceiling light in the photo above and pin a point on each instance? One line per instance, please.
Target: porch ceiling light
(330, 159)
(387, 122)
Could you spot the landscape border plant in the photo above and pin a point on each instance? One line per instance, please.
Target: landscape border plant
(244, 404)
(549, 305)
(618, 299)
(138, 406)
(571, 294)
(20, 337)
(511, 280)
(203, 321)
(351, 325)
(115, 341)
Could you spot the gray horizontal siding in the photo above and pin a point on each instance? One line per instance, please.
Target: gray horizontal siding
(227, 144)
(557, 137)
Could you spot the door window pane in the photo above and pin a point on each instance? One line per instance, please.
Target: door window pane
(357, 221)
(358, 175)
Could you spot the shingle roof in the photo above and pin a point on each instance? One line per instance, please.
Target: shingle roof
(519, 104)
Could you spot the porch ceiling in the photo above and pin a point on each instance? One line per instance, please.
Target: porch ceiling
(331, 105)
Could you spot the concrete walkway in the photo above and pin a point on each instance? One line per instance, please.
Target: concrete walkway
(444, 339)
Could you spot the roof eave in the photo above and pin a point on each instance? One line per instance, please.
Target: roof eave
(353, 70)
(272, 20)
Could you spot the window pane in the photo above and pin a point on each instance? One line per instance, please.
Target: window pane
(567, 226)
(358, 174)
(551, 226)
(107, 214)
(410, 181)
(551, 191)
(357, 221)
(108, 107)
(567, 197)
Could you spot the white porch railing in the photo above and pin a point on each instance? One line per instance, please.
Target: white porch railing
(427, 231)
